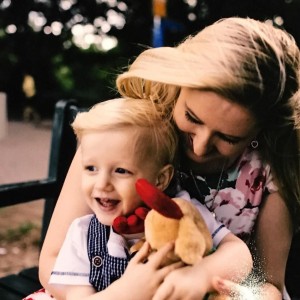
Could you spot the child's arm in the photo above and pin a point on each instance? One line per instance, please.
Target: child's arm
(140, 280)
(232, 260)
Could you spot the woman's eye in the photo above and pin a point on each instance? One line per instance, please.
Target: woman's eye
(225, 138)
(122, 171)
(229, 140)
(190, 118)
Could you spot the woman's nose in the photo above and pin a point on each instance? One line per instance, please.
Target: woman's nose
(103, 182)
(202, 142)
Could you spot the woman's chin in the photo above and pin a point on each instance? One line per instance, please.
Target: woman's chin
(207, 164)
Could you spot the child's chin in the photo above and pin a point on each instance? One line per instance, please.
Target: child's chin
(105, 220)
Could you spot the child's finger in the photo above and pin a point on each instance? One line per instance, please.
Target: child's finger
(164, 292)
(168, 269)
(157, 257)
(142, 254)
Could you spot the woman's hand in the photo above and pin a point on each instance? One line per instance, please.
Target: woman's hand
(243, 292)
(143, 275)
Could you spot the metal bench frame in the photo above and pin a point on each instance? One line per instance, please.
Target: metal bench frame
(63, 148)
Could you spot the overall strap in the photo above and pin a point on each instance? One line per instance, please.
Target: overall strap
(104, 269)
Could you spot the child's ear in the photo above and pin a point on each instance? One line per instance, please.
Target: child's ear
(164, 177)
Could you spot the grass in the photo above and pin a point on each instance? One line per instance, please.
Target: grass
(18, 233)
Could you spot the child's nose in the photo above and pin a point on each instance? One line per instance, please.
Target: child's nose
(104, 182)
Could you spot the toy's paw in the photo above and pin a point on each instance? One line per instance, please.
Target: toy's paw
(131, 224)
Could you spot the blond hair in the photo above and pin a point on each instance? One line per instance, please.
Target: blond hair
(250, 62)
(155, 138)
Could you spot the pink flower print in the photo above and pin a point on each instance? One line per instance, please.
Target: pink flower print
(258, 182)
(41, 294)
(251, 183)
(235, 211)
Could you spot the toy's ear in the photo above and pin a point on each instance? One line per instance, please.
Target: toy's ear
(164, 177)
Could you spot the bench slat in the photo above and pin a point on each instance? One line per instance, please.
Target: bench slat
(30, 273)
(19, 285)
(7, 295)
(11, 194)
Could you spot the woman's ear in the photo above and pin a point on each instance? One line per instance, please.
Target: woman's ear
(164, 177)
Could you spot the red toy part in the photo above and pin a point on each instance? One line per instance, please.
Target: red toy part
(131, 224)
(157, 200)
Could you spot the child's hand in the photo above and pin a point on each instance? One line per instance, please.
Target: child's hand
(133, 223)
(143, 276)
(185, 283)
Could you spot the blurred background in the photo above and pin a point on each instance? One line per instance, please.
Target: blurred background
(55, 49)
(52, 49)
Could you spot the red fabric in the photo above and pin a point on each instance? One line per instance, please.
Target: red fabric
(157, 200)
(131, 224)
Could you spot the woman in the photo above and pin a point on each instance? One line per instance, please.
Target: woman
(233, 85)
(233, 91)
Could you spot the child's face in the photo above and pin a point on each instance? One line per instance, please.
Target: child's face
(110, 170)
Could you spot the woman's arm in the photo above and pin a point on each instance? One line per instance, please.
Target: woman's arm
(272, 243)
(70, 205)
(273, 237)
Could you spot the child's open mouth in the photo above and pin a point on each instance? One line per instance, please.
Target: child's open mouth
(107, 202)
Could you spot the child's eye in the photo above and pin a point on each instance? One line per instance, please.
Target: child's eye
(122, 171)
(90, 168)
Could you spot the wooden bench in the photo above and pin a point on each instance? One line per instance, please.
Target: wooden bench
(63, 147)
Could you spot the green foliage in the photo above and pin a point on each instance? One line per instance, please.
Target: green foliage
(62, 74)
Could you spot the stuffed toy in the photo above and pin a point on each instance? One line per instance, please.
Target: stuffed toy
(174, 220)
(168, 220)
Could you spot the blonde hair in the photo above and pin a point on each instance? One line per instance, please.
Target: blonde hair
(249, 62)
(155, 139)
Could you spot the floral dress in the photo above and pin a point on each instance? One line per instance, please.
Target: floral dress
(235, 195)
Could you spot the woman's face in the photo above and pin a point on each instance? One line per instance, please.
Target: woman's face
(214, 129)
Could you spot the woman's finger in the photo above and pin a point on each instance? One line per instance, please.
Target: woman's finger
(223, 286)
(235, 290)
